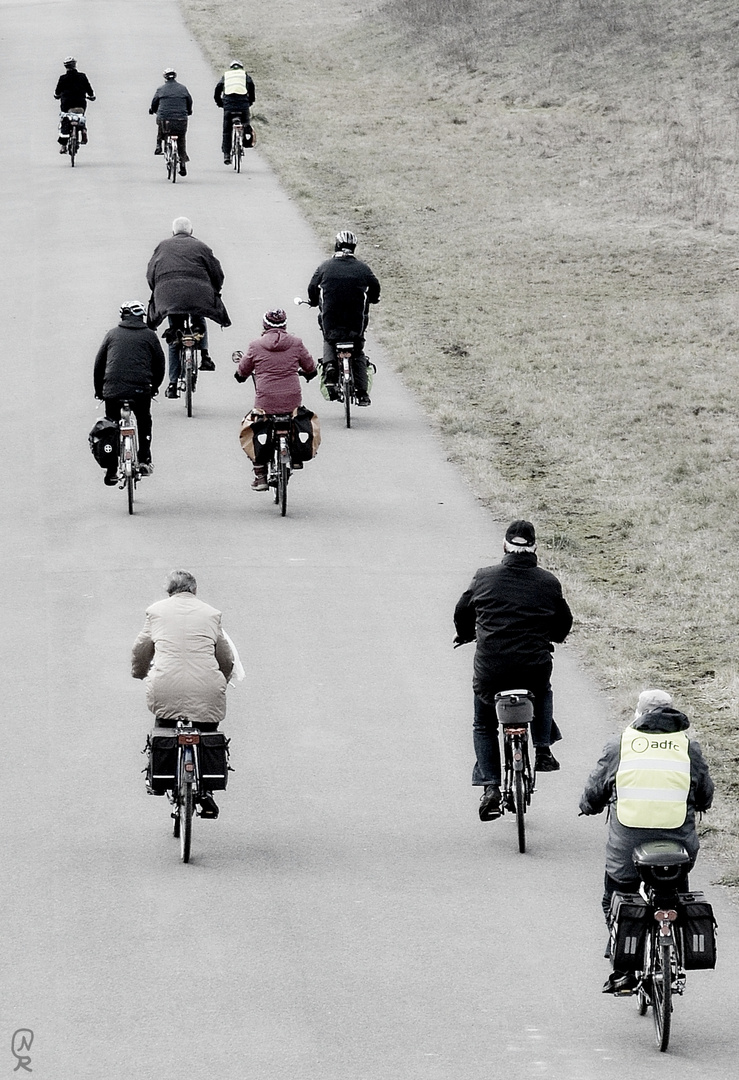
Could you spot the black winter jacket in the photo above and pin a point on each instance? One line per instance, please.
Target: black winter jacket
(600, 792)
(342, 288)
(514, 611)
(129, 361)
(172, 101)
(74, 90)
(185, 278)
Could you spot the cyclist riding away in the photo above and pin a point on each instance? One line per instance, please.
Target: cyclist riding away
(653, 778)
(129, 366)
(275, 359)
(172, 105)
(186, 659)
(73, 91)
(515, 611)
(185, 278)
(342, 288)
(234, 93)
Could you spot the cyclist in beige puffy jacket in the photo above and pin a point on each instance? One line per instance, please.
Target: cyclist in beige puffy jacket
(184, 656)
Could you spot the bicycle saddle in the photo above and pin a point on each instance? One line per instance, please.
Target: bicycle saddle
(660, 853)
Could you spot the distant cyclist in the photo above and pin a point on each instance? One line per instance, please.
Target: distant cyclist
(73, 91)
(129, 366)
(514, 611)
(234, 93)
(274, 359)
(172, 105)
(185, 278)
(342, 288)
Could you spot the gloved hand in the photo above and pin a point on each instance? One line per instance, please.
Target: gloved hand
(240, 378)
(91, 98)
(308, 375)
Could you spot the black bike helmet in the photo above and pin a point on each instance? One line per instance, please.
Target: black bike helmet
(169, 73)
(345, 241)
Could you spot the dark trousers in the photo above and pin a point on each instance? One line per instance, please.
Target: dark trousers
(229, 115)
(141, 408)
(177, 322)
(544, 730)
(359, 365)
(174, 127)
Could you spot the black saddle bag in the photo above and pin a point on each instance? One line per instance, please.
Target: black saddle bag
(103, 441)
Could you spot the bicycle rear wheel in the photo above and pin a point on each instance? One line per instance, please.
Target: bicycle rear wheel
(662, 994)
(188, 386)
(347, 393)
(130, 488)
(521, 811)
(72, 145)
(185, 810)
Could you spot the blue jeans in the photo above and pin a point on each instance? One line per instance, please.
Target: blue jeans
(177, 322)
(544, 730)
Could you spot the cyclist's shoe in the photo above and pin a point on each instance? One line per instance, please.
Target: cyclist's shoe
(226, 159)
(206, 364)
(172, 390)
(183, 169)
(490, 803)
(63, 149)
(151, 791)
(84, 137)
(208, 806)
(145, 468)
(296, 465)
(259, 483)
(158, 152)
(620, 982)
(363, 399)
(110, 479)
(545, 760)
(333, 391)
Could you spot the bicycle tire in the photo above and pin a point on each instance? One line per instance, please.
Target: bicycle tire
(520, 797)
(130, 489)
(72, 146)
(347, 394)
(282, 479)
(175, 164)
(662, 994)
(185, 811)
(188, 385)
(237, 148)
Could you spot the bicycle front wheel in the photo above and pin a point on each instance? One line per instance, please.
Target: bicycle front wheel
(185, 811)
(520, 811)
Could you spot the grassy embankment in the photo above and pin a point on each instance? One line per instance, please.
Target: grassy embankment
(547, 190)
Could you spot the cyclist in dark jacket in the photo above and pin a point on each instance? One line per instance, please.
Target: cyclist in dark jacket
(73, 91)
(235, 94)
(129, 366)
(514, 611)
(172, 105)
(342, 288)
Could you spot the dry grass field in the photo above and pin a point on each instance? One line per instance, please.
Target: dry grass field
(547, 190)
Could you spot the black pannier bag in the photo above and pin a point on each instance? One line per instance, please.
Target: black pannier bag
(213, 761)
(306, 435)
(628, 919)
(698, 926)
(162, 770)
(256, 438)
(103, 441)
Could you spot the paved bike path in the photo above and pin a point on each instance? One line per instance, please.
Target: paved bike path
(348, 915)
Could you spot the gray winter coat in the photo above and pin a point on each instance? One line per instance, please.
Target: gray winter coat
(172, 101)
(600, 792)
(185, 278)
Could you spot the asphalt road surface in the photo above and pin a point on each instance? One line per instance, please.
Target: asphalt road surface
(348, 916)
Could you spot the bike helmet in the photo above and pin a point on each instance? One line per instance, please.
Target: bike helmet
(275, 320)
(236, 64)
(345, 240)
(133, 307)
(169, 73)
(70, 62)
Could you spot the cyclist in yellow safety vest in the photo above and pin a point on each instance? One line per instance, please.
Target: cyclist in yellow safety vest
(653, 778)
(234, 93)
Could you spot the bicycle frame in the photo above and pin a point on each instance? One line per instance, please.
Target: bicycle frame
(187, 784)
(279, 468)
(189, 347)
(515, 711)
(237, 143)
(171, 156)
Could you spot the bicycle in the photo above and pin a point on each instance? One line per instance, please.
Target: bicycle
(345, 390)
(668, 931)
(77, 124)
(129, 472)
(515, 711)
(187, 764)
(189, 339)
(171, 155)
(237, 143)
(280, 465)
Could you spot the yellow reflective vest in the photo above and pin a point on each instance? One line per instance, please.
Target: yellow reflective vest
(234, 81)
(653, 779)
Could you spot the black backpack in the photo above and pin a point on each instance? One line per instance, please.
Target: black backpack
(103, 441)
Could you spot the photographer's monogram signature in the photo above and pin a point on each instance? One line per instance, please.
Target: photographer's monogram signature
(20, 1044)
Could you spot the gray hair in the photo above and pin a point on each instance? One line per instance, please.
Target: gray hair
(180, 581)
(517, 549)
(182, 225)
